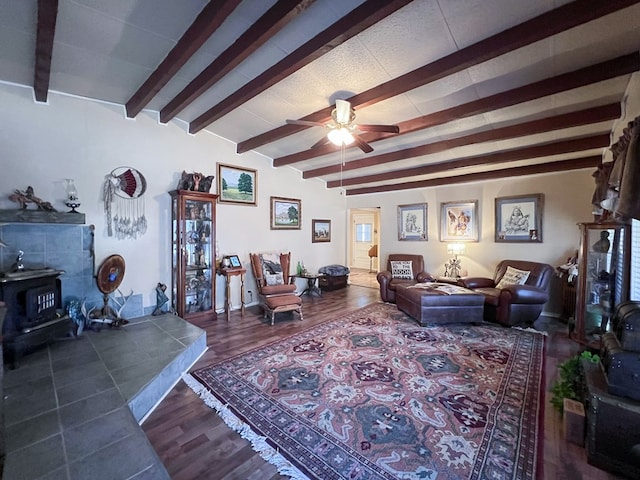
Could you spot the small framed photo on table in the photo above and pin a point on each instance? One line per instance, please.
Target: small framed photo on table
(233, 261)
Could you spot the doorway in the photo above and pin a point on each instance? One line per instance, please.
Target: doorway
(364, 237)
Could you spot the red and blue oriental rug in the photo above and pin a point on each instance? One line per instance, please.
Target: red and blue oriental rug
(373, 395)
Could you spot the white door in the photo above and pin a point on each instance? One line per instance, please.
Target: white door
(363, 235)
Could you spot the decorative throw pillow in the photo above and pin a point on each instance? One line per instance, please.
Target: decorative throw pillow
(270, 263)
(275, 279)
(513, 276)
(402, 269)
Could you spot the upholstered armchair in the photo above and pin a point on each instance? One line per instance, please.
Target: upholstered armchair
(275, 285)
(516, 293)
(402, 269)
(272, 273)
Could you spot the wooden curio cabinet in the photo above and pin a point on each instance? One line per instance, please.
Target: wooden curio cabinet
(603, 278)
(193, 243)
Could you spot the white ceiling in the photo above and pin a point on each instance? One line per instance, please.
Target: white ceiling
(106, 50)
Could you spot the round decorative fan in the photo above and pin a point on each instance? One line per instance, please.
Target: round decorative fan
(128, 182)
(110, 274)
(343, 130)
(109, 277)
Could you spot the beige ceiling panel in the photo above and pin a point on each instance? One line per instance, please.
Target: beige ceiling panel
(399, 52)
(472, 20)
(170, 17)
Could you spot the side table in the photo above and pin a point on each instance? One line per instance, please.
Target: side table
(228, 274)
(312, 288)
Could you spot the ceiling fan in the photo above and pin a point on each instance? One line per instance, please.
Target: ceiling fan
(343, 130)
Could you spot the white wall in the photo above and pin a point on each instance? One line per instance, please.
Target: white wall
(42, 144)
(567, 199)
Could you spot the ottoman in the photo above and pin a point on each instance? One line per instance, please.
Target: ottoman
(282, 303)
(334, 277)
(439, 304)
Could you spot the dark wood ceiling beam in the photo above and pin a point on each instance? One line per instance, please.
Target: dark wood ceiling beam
(46, 29)
(359, 19)
(549, 167)
(257, 35)
(550, 23)
(531, 152)
(623, 65)
(542, 125)
(205, 24)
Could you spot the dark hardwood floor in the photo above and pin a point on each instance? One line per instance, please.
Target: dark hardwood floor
(194, 443)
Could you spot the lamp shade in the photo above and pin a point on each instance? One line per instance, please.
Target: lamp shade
(340, 135)
(455, 248)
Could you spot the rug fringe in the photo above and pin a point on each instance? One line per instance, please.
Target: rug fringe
(258, 443)
(532, 330)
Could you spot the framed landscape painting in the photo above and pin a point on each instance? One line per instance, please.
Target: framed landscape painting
(286, 213)
(459, 221)
(412, 222)
(320, 231)
(519, 218)
(237, 185)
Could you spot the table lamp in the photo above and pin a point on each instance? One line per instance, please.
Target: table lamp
(453, 267)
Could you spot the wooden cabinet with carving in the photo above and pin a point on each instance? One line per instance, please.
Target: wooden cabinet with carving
(193, 227)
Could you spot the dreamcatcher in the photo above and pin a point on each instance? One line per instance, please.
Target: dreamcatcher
(124, 203)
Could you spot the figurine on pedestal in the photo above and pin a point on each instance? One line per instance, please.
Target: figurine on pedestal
(161, 299)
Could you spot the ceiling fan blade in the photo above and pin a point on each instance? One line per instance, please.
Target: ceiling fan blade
(343, 112)
(305, 123)
(362, 145)
(320, 143)
(379, 128)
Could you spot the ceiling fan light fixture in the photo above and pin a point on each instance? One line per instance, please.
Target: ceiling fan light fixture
(340, 136)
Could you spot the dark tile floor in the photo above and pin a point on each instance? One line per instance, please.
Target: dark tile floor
(72, 409)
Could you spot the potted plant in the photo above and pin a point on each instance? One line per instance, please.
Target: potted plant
(569, 383)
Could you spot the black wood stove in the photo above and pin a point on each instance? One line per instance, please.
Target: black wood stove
(33, 300)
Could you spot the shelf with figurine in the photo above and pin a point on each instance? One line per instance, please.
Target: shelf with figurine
(44, 212)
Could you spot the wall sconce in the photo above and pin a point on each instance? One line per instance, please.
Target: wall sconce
(452, 269)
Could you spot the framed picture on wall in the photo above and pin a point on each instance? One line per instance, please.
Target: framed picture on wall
(233, 261)
(412, 222)
(459, 221)
(519, 218)
(286, 213)
(320, 231)
(237, 185)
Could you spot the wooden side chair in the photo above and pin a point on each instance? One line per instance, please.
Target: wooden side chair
(276, 287)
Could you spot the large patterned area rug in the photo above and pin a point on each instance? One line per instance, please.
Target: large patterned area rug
(373, 395)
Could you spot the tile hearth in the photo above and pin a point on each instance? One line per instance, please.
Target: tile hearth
(72, 409)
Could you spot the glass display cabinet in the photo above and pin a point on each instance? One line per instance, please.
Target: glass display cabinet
(193, 253)
(603, 278)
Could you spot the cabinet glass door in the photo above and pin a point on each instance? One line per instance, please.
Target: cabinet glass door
(603, 279)
(197, 256)
(599, 280)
